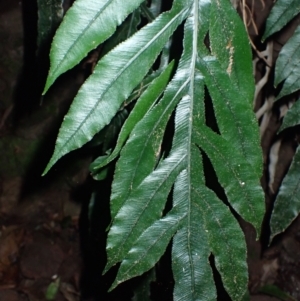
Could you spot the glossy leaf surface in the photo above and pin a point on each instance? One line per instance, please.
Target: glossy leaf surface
(145, 141)
(292, 117)
(287, 203)
(151, 245)
(148, 173)
(192, 274)
(241, 186)
(282, 12)
(86, 24)
(230, 45)
(233, 117)
(123, 32)
(101, 95)
(287, 66)
(144, 103)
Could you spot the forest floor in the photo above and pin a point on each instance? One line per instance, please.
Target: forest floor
(46, 249)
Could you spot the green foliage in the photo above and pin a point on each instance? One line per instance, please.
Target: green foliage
(287, 70)
(146, 101)
(52, 290)
(282, 12)
(292, 117)
(110, 84)
(287, 204)
(78, 35)
(287, 65)
(230, 45)
(147, 173)
(124, 31)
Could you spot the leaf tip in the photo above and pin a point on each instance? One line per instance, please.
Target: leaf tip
(52, 161)
(114, 285)
(46, 170)
(107, 267)
(264, 37)
(48, 84)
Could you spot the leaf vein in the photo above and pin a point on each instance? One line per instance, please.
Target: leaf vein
(120, 246)
(114, 79)
(230, 168)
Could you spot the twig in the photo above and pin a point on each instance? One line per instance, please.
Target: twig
(261, 83)
(244, 7)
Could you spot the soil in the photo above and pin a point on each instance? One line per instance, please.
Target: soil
(47, 248)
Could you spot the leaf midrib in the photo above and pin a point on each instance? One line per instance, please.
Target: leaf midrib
(154, 129)
(81, 34)
(120, 246)
(290, 61)
(190, 129)
(245, 193)
(236, 122)
(284, 11)
(215, 218)
(116, 77)
(154, 242)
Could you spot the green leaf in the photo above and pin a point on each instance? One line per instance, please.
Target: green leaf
(292, 117)
(226, 241)
(212, 224)
(234, 113)
(141, 195)
(144, 103)
(151, 245)
(204, 20)
(165, 228)
(287, 66)
(142, 208)
(191, 270)
(95, 166)
(52, 290)
(199, 222)
(112, 81)
(287, 203)
(146, 12)
(123, 32)
(208, 220)
(79, 32)
(120, 238)
(101, 174)
(50, 14)
(142, 150)
(190, 252)
(138, 240)
(230, 82)
(242, 187)
(282, 12)
(229, 43)
(192, 273)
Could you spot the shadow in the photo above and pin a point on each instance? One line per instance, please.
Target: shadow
(27, 95)
(27, 91)
(221, 292)
(94, 220)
